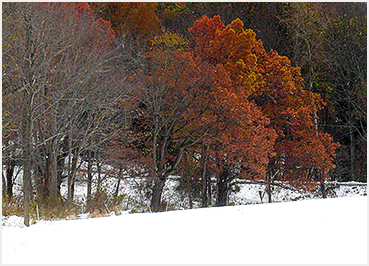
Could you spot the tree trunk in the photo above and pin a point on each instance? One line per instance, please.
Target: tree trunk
(322, 189)
(28, 118)
(27, 166)
(189, 193)
(71, 176)
(39, 185)
(42, 175)
(352, 155)
(204, 181)
(3, 187)
(157, 192)
(89, 176)
(204, 194)
(98, 176)
(27, 187)
(269, 188)
(117, 189)
(27, 157)
(222, 195)
(69, 168)
(208, 178)
(269, 193)
(9, 179)
(222, 185)
(53, 185)
(60, 166)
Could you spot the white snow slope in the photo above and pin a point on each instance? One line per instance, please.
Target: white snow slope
(312, 231)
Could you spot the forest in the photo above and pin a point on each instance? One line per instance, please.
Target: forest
(208, 92)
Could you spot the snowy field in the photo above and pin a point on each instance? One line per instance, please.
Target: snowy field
(311, 231)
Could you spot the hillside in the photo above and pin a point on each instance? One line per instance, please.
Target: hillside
(310, 231)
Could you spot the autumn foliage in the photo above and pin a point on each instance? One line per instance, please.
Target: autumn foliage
(302, 152)
(187, 102)
(130, 18)
(110, 83)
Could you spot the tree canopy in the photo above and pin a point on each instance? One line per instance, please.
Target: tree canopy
(274, 92)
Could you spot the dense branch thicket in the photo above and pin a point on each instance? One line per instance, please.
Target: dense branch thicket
(205, 91)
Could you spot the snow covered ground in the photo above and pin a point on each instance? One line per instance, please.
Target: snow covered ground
(178, 199)
(136, 197)
(311, 231)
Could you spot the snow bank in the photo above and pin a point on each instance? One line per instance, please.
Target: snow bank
(311, 231)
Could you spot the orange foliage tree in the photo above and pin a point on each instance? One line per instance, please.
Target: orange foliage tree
(242, 144)
(186, 102)
(130, 18)
(302, 152)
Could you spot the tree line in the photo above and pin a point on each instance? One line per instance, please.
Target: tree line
(261, 91)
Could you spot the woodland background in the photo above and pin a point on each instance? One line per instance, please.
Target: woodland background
(208, 92)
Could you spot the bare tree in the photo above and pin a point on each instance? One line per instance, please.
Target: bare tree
(60, 62)
(346, 51)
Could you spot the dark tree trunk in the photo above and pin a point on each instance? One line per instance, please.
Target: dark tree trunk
(222, 185)
(204, 194)
(46, 179)
(208, 178)
(269, 185)
(61, 160)
(3, 187)
(28, 119)
(222, 197)
(53, 184)
(9, 179)
(98, 176)
(205, 184)
(269, 189)
(39, 184)
(27, 188)
(42, 175)
(157, 192)
(352, 155)
(27, 159)
(118, 183)
(189, 192)
(27, 166)
(71, 175)
(323, 190)
(89, 176)
(117, 188)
